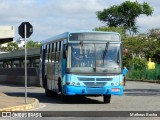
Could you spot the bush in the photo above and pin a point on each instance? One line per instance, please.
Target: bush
(138, 63)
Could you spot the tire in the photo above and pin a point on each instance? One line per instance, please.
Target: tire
(106, 98)
(54, 94)
(59, 85)
(50, 93)
(47, 91)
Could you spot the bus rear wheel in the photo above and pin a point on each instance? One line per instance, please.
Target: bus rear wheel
(47, 91)
(106, 98)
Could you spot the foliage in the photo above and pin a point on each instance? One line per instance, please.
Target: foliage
(145, 74)
(141, 46)
(138, 63)
(31, 44)
(124, 15)
(125, 62)
(11, 46)
(154, 34)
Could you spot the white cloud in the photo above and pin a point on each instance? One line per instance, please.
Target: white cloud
(51, 17)
(146, 23)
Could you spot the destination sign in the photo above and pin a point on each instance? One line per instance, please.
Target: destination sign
(94, 37)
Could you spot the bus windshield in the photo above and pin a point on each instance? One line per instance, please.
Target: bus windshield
(95, 58)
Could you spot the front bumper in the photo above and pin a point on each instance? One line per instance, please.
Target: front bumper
(80, 90)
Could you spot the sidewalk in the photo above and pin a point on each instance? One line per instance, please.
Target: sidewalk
(10, 103)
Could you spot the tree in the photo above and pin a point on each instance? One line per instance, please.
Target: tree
(31, 44)
(142, 47)
(12, 46)
(124, 15)
(138, 63)
(154, 33)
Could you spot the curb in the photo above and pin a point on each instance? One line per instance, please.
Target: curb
(141, 80)
(2, 94)
(22, 107)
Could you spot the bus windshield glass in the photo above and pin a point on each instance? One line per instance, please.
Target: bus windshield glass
(95, 57)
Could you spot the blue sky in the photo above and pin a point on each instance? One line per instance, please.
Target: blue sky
(52, 17)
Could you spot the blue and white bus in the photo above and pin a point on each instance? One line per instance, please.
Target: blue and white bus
(82, 63)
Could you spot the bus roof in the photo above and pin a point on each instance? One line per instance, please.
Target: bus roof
(65, 35)
(55, 38)
(92, 31)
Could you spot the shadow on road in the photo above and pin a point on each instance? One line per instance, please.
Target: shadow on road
(57, 99)
(142, 92)
(39, 94)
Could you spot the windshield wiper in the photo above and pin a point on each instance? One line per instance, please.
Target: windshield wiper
(105, 51)
(83, 50)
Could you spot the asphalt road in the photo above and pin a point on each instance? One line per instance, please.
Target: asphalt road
(138, 96)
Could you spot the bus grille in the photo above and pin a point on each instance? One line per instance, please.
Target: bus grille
(94, 82)
(86, 79)
(103, 79)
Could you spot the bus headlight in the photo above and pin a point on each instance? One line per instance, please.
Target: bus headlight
(117, 83)
(67, 83)
(73, 83)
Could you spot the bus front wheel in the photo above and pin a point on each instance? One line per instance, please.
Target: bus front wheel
(106, 98)
(64, 98)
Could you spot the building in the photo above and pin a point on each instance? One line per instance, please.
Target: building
(7, 33)
(21, 42)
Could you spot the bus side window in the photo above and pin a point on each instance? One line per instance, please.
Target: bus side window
(64, 51)
(54, 52)
(57, 52)
(50, 53)
(55, 57)
(60, 49)
(46, 53)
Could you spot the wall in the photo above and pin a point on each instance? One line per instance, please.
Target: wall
(17, 76)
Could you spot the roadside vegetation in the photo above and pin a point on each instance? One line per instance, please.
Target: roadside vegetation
(139, 46)
(13, 46)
